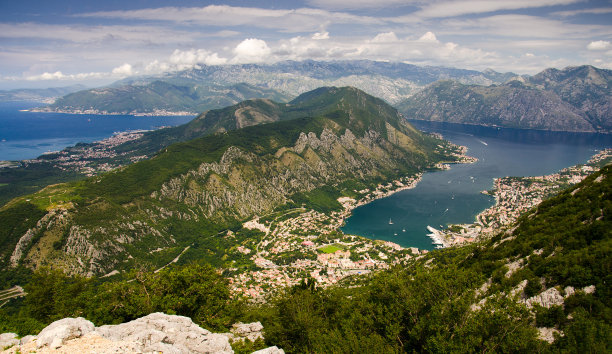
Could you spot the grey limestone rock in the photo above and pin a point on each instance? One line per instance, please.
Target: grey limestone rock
(250, 331)
(8, 340)
(58, 332)
(546, 299)
(159, 332)
(155, 333)
(26, 339)
(270, 350)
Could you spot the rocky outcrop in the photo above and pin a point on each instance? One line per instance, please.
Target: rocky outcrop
(155, 333)
(53, 218)
(8, 340)
(548, 334)
(270, 350)
(58, 332)
(548, 298)
(553, 297)
(246, 331)
(242, 184)
(158, 332)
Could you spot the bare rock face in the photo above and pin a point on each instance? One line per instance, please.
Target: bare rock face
(159, 332)
(270, 350)
(8, 340)
(251, 331)
(155, 333)
(548, 334)
(548, 298)
(58, 332)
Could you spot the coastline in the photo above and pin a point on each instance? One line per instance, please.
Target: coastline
(517, 195)
(155, 113)
(404, 183)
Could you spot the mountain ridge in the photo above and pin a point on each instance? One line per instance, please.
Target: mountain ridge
(573, 99)
(280, 81)
(158, 98)
(202, 186)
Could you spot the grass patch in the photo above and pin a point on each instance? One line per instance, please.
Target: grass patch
(331, 248)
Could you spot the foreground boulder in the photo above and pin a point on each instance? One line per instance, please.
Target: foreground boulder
(157, 332)
(8, 339)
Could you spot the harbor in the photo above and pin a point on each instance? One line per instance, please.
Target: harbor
(437, 237)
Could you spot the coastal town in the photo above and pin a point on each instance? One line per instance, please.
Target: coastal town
(302, 243)
(88, 159)
(290, 245)
(516, 195)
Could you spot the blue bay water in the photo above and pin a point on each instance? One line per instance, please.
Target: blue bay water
(27, 135)
(453, 196)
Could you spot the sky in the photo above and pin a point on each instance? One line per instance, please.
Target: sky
(65, 42)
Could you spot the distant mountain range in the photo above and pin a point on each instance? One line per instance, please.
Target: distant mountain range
(47, 95)
(574, 99)
(261, 156)
(196, 90)
(160, 98)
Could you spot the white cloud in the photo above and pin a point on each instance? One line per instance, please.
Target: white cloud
(512, 26)
(465, 7)
(187, 59)
(384, 47)
(598, 45)
(157, 67)
(214, 59)
(49, 76)
(183, 60)
(251, 50)
(321, 35)
(429, 37)
(356, 4)
(59, 76)
(385, 37)
(123, 70)
(595, 11)
(95, 34)
(436, 33)
(293, 20)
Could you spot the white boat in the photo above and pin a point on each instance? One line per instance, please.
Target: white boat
(390, 221)
(403, 230)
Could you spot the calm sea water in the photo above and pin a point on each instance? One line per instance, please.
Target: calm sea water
(453, 196)
(26, 135)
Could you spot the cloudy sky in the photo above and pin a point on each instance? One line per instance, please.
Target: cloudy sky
(58, 43)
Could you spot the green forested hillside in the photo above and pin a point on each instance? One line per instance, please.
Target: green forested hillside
(564, 246)
(31, 177)
(340, 141)
(468, 299)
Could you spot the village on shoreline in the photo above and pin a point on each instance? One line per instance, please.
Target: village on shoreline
(304, 243)
(300, 243)
(515, 196)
